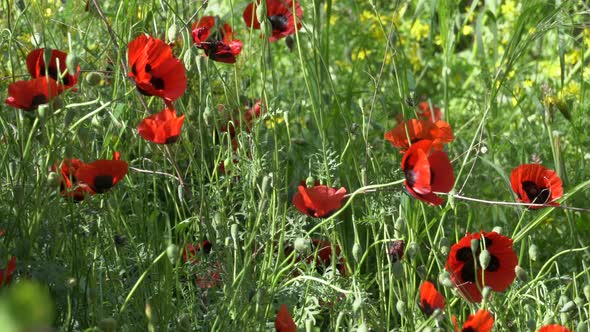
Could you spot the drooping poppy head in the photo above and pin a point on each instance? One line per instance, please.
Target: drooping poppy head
(414, 130)
(28, 95)
(536, 184)
(154, 68)
(217, 42)
(430, 298)
(280, 16)
(427, 171)
(56, 68)
(6, 273)
(319, 201)
(554, 328)
(433, 114)
(466, 272)
(161, 128)
(481, 321)
(70, 187)
(102, 175)
(284, 322)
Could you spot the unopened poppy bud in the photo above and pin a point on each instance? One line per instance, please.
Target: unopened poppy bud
(521, 274)
(261, 12)
(363, 327)
(484, 259)
(356, 304)
(171, 33)
(72, 63)
(531, 325)
(474, 245)
(357, 252)
(412, 249)
(53, 180)
(398, 270)
(71, 282)
(534, 252)
(43, 112)
(36, 39)
(486, 291)
(579, 301)
(217, 219)
(445, 280)
(568, 306)
(93, 78)
(587, 292)
(96, 122)
(309, 182)
(301, 245)
(583, 327)
(107, 324)
(187, 59)
(400, 225)
(497, 229)
(234, 232)
(396, 250)
(172, 252)
(401, 307)
(445, 246)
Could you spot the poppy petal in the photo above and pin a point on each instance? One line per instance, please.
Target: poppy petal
(284, 322)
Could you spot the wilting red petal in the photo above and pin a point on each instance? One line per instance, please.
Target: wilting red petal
(481, 321)
(102, 175)
(202, 29)
(467, 274)
(28, 95)
(318, 201)
(217, 41)
(430, 298)
(554, 328)
(533, 183)
(284, 322)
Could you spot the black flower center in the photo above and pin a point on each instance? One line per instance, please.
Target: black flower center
(535, 194)
(279, 22)
(426, 308)
(410, 177)
(38, 100)
(102, 183)
(157, 82)
(171, 139)
(468, 329)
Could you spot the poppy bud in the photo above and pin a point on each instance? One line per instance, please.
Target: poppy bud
(582, 327)
(227, 165)
(71, 283)
(579, 301)
(357, 252)
(53, 180)
(412, 249)
(587, 292)
(171, 33)
(234, 232)
(400, 225)
(445, 246)
(217, 220)
(474, 245)
(36, 39)
(42, 112)
(261, 12)
(568, 306)
(497, 229)
(398, 270)
(187, 59)
(401, 307)
(172, 252)
(484, 259)
(356, 304)
(531, 325)
(72, 63)
(534, 252)
(362, 327)
(301, 245)
(521, 274)
(445, 280)
(309, 182)
(93, 78)
(107, 324)
(486, 291)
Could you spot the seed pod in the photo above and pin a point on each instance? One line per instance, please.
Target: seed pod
(400, 225)
(261, 12)
(583, 327)
(484, 258)
(445, 280)
(444, 245)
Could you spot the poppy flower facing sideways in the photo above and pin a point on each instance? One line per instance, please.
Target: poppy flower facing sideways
(161, 128)
(7, 272)
(217, 41)
(433, 114)
(284, 322)
(481, 321)
(38, 68)
(280, 16)
(101, 175)
(154, 68)
(414, 130)
(536, 184)
(70, 187)
(319, 201)
(28, 95)
(554, 328)
(430, 298)
(427, 171)
(466, 272)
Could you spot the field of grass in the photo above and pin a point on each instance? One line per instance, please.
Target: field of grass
(234, 217)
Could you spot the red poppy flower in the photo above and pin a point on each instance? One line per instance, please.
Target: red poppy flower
(190, 252)
(427, 171)
(430, 298)
(37, 67)
(284, 322)
(212, 277)
(426, 113)
(466, 272)
(6, 273)
(241, 120)
(279, 14)
(28, 95)
(324, 256)
(161, 128)
(155, 70)
(219, 45)
(69, 184)
(415, 130)
(481, 321)
(536, 184)
(102, 175)
(554, 328)
(318, 201)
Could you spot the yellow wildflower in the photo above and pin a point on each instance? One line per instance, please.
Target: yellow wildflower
(419, 30)
(274, 120)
